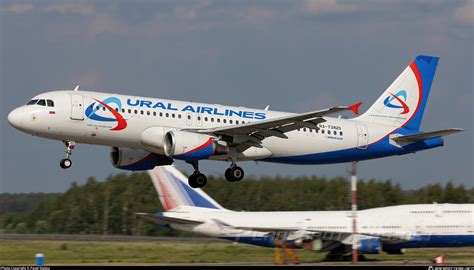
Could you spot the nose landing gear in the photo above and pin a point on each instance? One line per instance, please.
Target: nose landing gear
(67, 163)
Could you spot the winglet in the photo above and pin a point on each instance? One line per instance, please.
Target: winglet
(355, 108)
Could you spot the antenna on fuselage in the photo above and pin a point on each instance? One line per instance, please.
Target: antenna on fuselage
(266, 108)
(77, 88)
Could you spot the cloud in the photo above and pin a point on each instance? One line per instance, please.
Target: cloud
(71, 7)
(88, 80)
(319, 7)
(465, 13)
(17, 8)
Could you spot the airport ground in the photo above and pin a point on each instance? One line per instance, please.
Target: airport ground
(125, 251)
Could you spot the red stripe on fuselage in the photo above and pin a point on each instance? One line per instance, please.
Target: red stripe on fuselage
(121, 123)
(206, 144)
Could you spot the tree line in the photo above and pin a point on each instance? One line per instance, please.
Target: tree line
(108, 207)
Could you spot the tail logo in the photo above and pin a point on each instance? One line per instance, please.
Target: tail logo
(91, 112)
(401, 102)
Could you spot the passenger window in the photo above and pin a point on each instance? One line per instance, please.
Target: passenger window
(129, 111)
(218, 120)
(141, 112)
(340, 133)
(32, 102)
(189, 117)
(179, 116)
(154, 113)
(161, 114)
(212, 119)
(173, 115)
(322, 131)
(167, 115)
(123, 110)
(225, 121)
(50, 103)
(230, 121)
(135, 111)
(237, 122)
(205, 119)
(148, 113)
(103, 108)
(42, 102)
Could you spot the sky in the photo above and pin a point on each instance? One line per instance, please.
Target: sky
(295, 56)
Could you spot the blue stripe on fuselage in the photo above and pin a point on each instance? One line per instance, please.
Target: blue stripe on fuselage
(383, 148)
(415, 242)
(433, 241)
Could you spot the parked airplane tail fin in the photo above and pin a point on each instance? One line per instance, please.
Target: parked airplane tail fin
(174, 191)
(404, 101)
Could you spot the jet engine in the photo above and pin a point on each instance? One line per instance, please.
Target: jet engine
(371, 245)
(137, 160)
(191, 146)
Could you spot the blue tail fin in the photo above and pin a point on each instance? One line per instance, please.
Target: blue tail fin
(174, 191)
(404, 101)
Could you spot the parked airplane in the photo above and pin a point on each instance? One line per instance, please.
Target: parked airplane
(390, 229)
(147, 132)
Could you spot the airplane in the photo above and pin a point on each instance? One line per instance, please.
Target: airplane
(146, 132)
(391, 229)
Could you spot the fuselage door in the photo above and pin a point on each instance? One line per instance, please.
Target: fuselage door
(362, 136)
(77, 107)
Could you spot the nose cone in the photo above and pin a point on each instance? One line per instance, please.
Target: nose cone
(15, 118)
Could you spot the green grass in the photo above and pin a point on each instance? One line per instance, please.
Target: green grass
(21, 252)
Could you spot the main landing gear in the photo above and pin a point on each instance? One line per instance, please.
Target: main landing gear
(197, 179)
(234, 173)
(67, 163)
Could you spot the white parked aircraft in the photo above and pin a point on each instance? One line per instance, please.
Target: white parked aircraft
(147, 132)
(390, 229)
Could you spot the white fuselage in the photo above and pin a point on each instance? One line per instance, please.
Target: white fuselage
(71, 119)
(404, 225)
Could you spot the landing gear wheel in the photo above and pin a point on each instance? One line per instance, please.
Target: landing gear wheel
(228, 177)
(234, 174)
(65, 163)
(197, 180)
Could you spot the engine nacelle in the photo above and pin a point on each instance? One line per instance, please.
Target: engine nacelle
(137, 160)
(370, 245)
(190, 146)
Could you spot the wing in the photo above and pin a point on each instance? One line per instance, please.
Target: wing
(426, 135)
(254, 133)
(167, 220)
(340, 236)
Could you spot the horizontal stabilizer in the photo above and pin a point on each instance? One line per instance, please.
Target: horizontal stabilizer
(167, 220)
(427, 135)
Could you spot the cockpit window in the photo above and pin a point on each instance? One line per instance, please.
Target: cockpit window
(32, 102)
(50, 103)
(42, 102)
